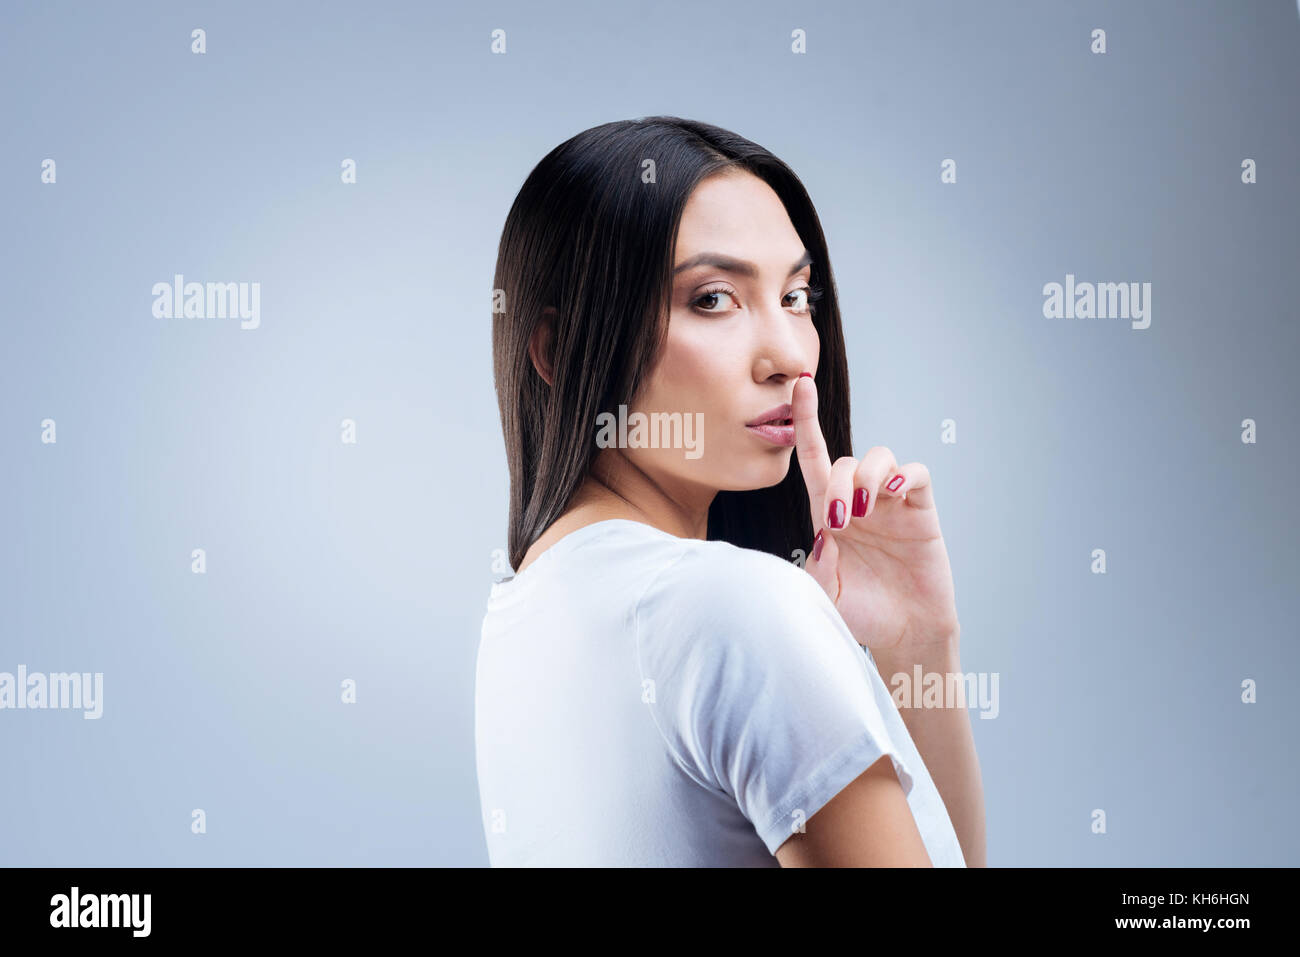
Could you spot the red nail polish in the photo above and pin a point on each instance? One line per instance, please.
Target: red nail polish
(808, 374)
(817, 547)
(894, 483)
(859, 502)
(837, 514)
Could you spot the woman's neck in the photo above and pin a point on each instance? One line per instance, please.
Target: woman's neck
(616, 489)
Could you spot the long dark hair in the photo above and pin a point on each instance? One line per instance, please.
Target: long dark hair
(592, 235)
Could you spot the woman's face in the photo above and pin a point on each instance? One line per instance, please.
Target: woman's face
(739, 334)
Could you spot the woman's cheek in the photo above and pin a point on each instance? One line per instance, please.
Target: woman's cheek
(814, 344)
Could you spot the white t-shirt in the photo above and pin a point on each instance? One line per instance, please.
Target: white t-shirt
(647, 700)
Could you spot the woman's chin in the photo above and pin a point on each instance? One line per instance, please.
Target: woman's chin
(762, 474)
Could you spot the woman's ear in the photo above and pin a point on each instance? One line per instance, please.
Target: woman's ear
(541, 345)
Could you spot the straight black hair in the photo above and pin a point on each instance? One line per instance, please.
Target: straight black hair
(592, 235)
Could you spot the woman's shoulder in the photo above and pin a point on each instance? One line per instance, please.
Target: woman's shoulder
(669, 566)
(680, 587)
(721, 569)
(723, 624)
(715, 591)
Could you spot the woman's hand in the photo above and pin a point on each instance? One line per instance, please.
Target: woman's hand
(886, 569)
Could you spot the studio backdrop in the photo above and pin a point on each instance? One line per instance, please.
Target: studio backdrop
(247, 534)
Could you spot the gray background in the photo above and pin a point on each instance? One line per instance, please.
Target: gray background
(373, 562)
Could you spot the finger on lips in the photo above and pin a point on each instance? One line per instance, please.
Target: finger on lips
(810, 444)
(810, 447)
(840, 492)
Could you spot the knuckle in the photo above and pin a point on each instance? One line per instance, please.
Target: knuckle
(870, 463)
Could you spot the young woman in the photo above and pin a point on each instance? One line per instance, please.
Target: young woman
(681, 673)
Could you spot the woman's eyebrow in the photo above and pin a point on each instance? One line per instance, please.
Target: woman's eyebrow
(740, 267)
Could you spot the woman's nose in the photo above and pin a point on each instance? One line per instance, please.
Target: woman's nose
(781, 344)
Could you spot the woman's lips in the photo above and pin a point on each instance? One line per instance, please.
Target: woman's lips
(776, 434)
(775, 416)
(774, 425)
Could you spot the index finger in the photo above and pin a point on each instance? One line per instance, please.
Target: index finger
(810, 444)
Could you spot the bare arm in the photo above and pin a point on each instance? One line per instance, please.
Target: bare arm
(943, 738)
(867, 824)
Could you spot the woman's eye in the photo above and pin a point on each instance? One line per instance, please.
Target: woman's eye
(706, 300)
(709, 300)
(809, 295)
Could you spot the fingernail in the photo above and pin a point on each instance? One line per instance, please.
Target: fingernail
(817, 547)
(859, 503)
(808, 374)
(894, 483)
(837, 514)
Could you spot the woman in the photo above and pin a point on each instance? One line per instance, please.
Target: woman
(661, 683)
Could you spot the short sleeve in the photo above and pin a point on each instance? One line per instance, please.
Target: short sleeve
(759, 689)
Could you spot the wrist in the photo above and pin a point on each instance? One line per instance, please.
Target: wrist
(939, 654)
(921, 679)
